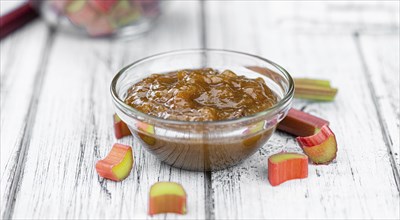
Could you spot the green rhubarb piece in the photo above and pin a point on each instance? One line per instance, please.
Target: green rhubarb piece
(313, 82)
(314, 89)
(75, 6)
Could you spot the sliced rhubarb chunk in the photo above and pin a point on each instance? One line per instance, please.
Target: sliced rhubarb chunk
(314, 89)
(120, 128)
(259, 126)
(167, 197)
(312, 82)
(104, 6)
(287, 166)
(124, 13)
(321, 147)
(315, 93)
(145, 130)
(118, 163)
(300, 123)
(81, 13)
(76, 6)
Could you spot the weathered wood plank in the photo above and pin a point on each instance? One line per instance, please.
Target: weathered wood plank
(326, 17)
(21, 63)
(360, 184)
(59, 178)
(75, 130)
(381, 55)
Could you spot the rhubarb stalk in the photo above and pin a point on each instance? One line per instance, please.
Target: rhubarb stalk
(167, 197)
(287, 166)
(118, 163)
(314, 89)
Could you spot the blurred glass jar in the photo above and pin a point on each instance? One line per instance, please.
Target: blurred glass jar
(101, 18)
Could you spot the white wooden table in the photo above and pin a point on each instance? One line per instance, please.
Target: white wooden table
(56, 114)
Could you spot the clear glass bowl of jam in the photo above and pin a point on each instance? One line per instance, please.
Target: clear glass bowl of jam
(101, 18)
(187, 137)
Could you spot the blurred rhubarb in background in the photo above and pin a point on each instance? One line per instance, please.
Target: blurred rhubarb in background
(14, 14)
(102, 17)
(95, 18)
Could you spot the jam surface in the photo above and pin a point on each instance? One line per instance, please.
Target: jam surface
(200, 95)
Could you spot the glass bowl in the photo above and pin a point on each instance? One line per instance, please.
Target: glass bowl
(101, 18)
(210, 145)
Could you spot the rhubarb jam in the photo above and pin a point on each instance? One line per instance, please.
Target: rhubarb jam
(200, 95)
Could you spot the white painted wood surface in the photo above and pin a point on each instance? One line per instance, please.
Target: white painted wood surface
(62, 158)
(355, 45)
(381, 55)
(20, 73)
(361, 183)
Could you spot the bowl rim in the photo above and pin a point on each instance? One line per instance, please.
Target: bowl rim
(125, 107)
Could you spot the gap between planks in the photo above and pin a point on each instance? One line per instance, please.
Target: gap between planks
(55, 196)
(27, 130)
(209, 205)
(385, 133)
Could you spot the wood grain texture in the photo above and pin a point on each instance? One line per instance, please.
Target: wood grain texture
(56, 114)
(381, 55)
(360, 184)
(75, 129)
(329, 17)
(20, 74)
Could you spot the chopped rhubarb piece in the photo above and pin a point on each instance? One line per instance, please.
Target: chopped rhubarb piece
(314, 89)
(144, 131)
(128, 19)
(120, 128)
(251, 131)
(259, 126)
(125, 13)
(315, 93)
(118, 163)
(300, 123)
(321, 147)
(75, 6)
(103, 6)
(287, 166)
(167, 197)
(80, 13)
(146, 127)
(312, 82)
